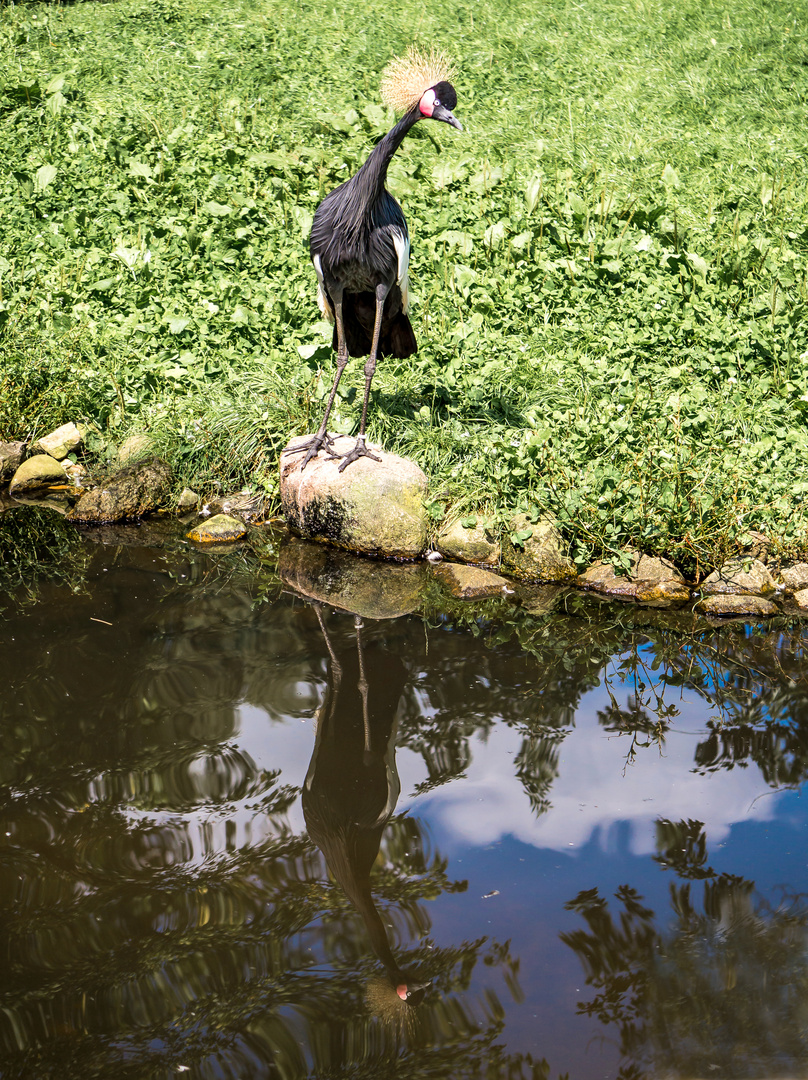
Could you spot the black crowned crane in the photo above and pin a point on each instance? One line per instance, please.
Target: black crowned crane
(360, 246)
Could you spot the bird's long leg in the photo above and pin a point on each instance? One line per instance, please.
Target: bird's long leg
(322, 440)
(363, 682)
(360, 449)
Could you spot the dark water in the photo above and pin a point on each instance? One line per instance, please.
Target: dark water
(237, 827)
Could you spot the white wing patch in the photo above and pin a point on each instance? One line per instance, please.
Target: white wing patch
(322, 302)
(401, 242)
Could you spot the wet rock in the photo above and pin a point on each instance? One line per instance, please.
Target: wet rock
(374, 507)
(735, 604)
(795, 577)
(739, 576)
(217, 530)
(134, 448)
(470, 582)
(188, 500)
(60, 442)
(468, 545)
(801, 599)
(130, 493)
(366, 587)
(542, 557)
(650, 580)
(10, 458)
(37, 472)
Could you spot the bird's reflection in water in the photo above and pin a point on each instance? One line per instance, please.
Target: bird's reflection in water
(350, 794)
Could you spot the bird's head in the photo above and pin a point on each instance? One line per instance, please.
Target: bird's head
(421, 81)
(437, 103)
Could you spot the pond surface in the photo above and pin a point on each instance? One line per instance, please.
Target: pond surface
(246, 834)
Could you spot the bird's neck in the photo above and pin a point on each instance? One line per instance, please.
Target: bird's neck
(373, 174)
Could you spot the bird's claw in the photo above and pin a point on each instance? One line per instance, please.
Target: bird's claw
(312, 448)
(359, 450)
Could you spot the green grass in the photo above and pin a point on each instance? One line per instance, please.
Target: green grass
(609, 263)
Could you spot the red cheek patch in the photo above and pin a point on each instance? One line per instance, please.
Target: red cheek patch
(427, 103)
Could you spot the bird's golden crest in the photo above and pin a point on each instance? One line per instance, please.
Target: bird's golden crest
(407, 77)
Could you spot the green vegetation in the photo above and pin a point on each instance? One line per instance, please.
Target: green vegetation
(609, 264)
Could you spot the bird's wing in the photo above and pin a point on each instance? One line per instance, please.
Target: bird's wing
(401, 242)
(322, 300)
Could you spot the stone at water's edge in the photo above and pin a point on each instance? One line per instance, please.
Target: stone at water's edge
(375, 507)
(740, 576)
(10, 457)
(217, 530)
(188, 500)
(61, 442)
(795, 577)
(471, 582)
(542, 556)
(374, 590)
(735, 604)
(801, 599)
(650, 580)
(132, 492)
(37, 472)
(642, 568)
(468, 545)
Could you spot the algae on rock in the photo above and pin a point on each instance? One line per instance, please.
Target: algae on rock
(375, 507)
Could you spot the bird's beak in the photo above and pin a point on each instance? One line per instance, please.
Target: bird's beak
(440, 112)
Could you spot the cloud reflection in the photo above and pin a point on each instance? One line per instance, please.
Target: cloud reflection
(599, 786)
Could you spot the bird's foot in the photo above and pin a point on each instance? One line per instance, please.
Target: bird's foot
(359, 450)
(312, 447)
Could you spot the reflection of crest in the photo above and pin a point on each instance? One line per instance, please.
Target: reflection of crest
(352, 787)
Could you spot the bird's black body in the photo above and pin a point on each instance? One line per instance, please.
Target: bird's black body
(359, 245)
(354, 236)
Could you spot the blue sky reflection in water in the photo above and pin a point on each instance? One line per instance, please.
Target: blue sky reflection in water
(596, 859)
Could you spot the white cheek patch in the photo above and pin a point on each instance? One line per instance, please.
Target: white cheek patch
(427, 102)
(322, 302)
(401, 242)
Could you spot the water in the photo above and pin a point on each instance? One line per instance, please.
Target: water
(575, 835)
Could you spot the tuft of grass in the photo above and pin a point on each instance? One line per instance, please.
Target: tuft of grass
(609, 264)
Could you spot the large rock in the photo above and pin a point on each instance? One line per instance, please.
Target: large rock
(366, 587)
(650, 580)
(471, 582)
(735, 604)
(375, 507)
(38, 471)
(468, 545)
(741, 577)
(59, 443)
(542, 554)
(132, 492)
(10, 458)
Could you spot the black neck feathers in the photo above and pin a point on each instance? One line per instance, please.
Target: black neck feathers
(370, 179)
